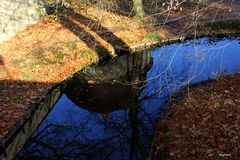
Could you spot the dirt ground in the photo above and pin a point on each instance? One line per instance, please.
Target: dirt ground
(48, 52)
(204, 123)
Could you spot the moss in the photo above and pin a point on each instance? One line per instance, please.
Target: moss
(49, 55)
(16, 100)
(155, 36)
(85, 53)
(26, 75)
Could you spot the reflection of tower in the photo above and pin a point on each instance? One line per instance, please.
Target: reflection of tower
(133, 110)
(141, 63)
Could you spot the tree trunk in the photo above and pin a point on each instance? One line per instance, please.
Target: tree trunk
(138, 8)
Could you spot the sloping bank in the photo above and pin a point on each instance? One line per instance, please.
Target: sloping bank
(202, 121)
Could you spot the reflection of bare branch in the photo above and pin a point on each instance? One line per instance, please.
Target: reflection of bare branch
(147, 115)
(78, 144)
(53, 149)
(85, 124)
(40, 135)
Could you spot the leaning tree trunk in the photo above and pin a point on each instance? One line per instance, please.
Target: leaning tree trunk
(138, 8)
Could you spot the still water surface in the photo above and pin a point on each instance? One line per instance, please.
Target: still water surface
(111, 111)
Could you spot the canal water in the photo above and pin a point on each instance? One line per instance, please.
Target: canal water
(110, 111)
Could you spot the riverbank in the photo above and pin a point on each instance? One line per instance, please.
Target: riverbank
(48, 52)
(204, 122)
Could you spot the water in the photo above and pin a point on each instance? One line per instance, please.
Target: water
(111, 111)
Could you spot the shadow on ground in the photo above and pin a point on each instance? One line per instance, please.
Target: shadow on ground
(16, 97)
(92, 33)
(1, 61)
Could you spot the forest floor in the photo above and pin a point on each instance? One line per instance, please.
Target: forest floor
(204, 123)
(55, 47)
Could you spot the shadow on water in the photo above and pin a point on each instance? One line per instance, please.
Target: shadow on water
(110, 111)
(77, 24)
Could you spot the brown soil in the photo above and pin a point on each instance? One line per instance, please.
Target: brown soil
(48, 52)
(204, 123)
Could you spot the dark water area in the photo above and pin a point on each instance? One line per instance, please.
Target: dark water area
(111, 111)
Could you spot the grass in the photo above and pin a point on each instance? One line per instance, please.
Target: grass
(85, 53)
(90, 56)
(26, 75)
(54, 18)
(85, 68)
(133, 41)
(16, 100)
(58, 55)
(49, 55)
(155, 36)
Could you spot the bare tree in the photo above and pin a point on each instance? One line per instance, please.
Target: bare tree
(138, 8)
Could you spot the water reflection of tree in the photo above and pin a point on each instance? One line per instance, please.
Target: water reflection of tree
(59, 141)
(127, 132)
(119, 134)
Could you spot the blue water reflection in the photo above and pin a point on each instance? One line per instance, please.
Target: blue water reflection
(194, 61)
(71, 131)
